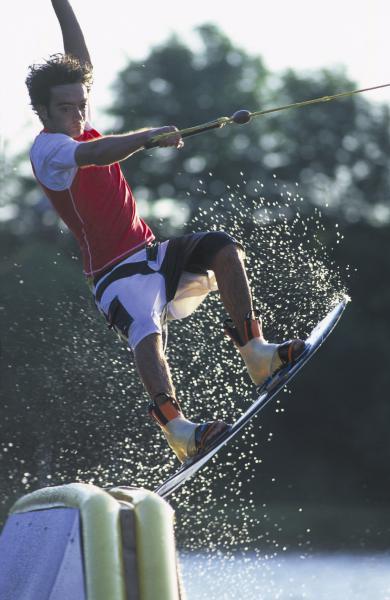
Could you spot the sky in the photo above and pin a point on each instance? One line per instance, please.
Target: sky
(304, 35)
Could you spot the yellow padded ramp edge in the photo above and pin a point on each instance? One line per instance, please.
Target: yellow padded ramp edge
(156, 552)
(101, 533)
(102, 538)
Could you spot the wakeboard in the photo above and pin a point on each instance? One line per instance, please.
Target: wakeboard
(266, 392)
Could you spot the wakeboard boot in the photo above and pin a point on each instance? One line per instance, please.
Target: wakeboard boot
(185, 438)
(261, 358)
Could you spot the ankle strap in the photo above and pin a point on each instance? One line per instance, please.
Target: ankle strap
(252, 328)
(164, 408)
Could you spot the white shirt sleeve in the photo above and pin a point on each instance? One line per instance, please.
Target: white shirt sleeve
(53, 159)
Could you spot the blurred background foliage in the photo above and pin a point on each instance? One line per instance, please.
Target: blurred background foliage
(62, 393)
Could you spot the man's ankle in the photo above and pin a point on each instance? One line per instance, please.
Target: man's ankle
(250, 328)
(165, 408)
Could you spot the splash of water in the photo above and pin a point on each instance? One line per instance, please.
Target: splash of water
(106, 440)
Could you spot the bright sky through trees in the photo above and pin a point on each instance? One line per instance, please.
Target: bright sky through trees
(301, 34)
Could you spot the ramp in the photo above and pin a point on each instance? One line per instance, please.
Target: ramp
(78, 542)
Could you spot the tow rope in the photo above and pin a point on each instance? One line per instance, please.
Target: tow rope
(244, 116)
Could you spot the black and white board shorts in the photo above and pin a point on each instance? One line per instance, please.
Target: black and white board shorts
(162, 282)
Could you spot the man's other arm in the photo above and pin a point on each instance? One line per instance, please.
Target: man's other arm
(72, 35)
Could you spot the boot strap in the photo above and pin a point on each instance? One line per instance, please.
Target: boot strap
(252, 328)
(164, 408)
(291, 350)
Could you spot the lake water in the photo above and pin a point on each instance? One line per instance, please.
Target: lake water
(286, 577)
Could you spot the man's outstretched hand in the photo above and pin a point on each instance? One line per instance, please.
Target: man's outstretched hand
(174, 139)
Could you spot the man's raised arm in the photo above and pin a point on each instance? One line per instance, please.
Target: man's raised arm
(72, 35)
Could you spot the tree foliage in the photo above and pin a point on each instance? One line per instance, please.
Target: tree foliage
(337, 151)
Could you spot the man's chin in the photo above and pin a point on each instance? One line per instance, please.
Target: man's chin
(77, 131)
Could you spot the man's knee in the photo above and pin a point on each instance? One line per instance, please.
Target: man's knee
(213, 244)
(230, 251)
(217, 240)
(148, 341)
(145, 335)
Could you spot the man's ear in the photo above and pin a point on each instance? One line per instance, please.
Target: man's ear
(42, 113)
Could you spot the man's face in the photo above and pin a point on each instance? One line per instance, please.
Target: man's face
(67, 109)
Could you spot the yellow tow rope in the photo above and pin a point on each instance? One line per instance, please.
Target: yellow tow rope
(244, 116)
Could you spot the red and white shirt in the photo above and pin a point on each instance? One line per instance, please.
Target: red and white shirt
(96, 203)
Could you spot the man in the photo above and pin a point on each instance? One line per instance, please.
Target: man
(137, 283)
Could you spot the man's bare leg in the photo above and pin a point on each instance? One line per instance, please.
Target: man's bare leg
(184, 437)
(261, 358)
(153, 367)
(233, 284)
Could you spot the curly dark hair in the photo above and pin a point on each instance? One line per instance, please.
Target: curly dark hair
(59, 69)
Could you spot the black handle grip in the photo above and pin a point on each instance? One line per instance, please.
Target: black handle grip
(154, 143)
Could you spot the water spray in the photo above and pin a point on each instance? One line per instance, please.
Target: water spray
(240, 117)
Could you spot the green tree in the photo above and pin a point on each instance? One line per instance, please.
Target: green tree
(337, 150)
(176, 85)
